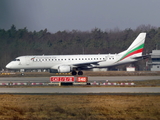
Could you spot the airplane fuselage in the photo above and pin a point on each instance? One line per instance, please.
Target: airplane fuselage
(51, 61)
(71, 63)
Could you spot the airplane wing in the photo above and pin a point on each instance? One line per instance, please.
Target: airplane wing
(86, 64)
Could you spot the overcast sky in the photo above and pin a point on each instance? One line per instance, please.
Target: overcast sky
(83, 15)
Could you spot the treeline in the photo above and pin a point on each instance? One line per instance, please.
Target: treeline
(17, 42)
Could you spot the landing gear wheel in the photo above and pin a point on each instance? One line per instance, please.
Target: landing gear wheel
(74, 72)
(80, 73)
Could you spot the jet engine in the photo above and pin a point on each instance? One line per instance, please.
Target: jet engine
(64, 69)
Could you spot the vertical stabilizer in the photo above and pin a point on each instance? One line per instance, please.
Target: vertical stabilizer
(136, 48)
(138, 42)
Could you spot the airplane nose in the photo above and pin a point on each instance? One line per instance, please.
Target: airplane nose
(8, 66)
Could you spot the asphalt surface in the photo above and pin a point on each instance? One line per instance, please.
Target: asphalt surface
(90, 79)
(79, 90)
(82, 90)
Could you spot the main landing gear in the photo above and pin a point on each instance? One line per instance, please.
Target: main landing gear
(75, 73)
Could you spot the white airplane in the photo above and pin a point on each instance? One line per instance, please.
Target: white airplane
(74, 63)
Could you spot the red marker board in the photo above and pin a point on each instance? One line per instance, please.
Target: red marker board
(61, 79)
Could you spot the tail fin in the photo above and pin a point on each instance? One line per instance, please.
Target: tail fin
(136, 48)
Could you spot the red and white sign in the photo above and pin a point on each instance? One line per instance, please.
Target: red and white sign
(82, 79)
(62, 79)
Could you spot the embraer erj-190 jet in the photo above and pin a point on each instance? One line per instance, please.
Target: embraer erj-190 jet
(74, 63)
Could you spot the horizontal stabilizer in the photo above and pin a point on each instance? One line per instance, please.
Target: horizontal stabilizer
(142, 57)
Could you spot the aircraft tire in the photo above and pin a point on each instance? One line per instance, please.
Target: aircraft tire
(80, 73)
(74, 72)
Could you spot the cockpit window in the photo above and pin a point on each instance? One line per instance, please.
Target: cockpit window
(16, 60)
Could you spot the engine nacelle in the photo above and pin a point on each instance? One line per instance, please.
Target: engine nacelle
(64, 69)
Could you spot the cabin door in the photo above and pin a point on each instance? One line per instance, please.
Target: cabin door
(27, 60)
(106, 58)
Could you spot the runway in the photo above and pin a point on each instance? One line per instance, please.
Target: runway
(78, 90)
(82, 90)
(90, 78)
